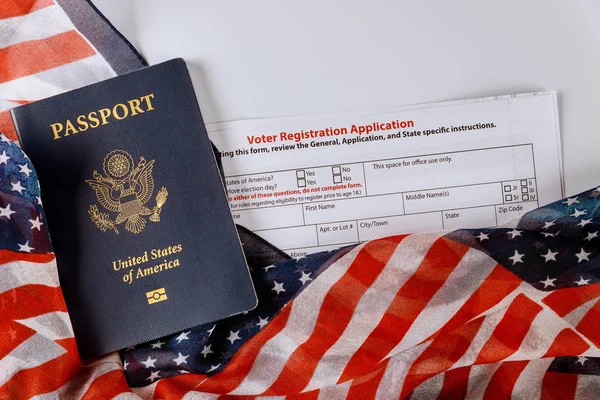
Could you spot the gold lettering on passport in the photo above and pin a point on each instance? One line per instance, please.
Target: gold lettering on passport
(143, 271)
(125, 190)
(103, 116)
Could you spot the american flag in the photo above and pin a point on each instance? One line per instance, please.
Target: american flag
(485, 313)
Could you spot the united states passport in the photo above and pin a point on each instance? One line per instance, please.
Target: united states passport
(137, 213)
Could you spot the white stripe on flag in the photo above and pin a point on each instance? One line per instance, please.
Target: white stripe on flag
(479, 378)
(483, 335)
(40, 24)
(33, 352)
(199, 396)
(588, 387)
(392, 381)
(430, 389)
(53, 325)
(305, 309)
(7, 105)
(472, 269)
(575, 316)
(19, 273)
(145, 392)
(529, 383)
(127, 396)
(77, 387)
(335, 392)
(58, 80)
(371, 308)
(541, 334)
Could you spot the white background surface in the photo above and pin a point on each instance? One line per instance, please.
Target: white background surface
(254, 59)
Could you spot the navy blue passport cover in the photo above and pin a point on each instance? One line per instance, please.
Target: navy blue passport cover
(136, 209)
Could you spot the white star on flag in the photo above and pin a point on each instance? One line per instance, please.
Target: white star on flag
(4, 139)
(182, 336)
(6, 212)
(206, 350)
(157, 345)
(153, 376)
(36, 223)
(25, 247)
(591, 235)
(581, 360)
(213, 367)
(582, 255)
(268, 268)
(149, 362)
(550, 256)
(547, 234)
(17, 187)
(305, 278)
(548, 224)
(548, 282)
(482, 236)
(39, 200)
(233, 336)
(577, 213)
(516, 258)
(278, 287)
(210, 331)
(582, 282)
(584, 222)
(262, 322)
(4, 158)
(571, 201)
(24, 168)
(183, 371)
(514, 233)
(125, 364)
(181, 359)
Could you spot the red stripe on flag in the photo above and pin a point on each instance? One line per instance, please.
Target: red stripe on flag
(30, 301)
(365, 389)
(503, 381)
(45, 378)
(456, 384)
(28, 58)
(441, 355)
(588, 326)
(7, 256)
(7, 127)
(498, 284)
(565, 300)
(12, 334)
(15, 8)
(335, 314)
(107, 386)
(567, 343)
(558, 386)
(510, 331)
(241, 363)
(412, 298)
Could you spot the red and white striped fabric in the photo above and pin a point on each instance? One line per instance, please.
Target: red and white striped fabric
(418, 316)
(42, 53)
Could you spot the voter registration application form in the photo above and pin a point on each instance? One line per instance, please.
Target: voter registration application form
(318, 182)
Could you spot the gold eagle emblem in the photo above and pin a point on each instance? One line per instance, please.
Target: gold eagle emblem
(124, 190)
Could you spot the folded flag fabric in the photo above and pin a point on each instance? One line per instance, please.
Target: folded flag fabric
(484, 313)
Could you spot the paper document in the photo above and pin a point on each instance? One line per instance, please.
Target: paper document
(318, 182)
